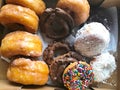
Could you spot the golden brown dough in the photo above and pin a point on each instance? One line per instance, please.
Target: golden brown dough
(37, 5)
(18, 15)
(21, 43)
(78, 9)
(28, 72)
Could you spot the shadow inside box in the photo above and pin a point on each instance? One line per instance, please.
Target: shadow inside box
(13, 83)
(43, 87)
(51, 3)
(118, 74)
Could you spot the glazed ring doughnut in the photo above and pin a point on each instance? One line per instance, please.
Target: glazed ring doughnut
(60, 63)
(53, 50)
(36, 5)
(18, 15)
(78, 9)
(27, 72)
(21, 43)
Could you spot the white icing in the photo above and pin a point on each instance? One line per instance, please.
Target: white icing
(92, 39)
(103, 66)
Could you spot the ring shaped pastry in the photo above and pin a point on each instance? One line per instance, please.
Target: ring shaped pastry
(53, 50)
(78, 76)
(56, 23)
(27, 72)
(60, 63)
(20, 16)
(21, 43)
(36, 5)
(78, 9)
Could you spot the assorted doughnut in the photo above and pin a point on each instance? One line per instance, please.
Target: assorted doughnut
(60, 63)
(27, 72)
(36, 5)
(93, 41)
(21, 43)
(53, 50)
(78, 76)
(56, 23)
(17, 17)
(74, 67)
(78, 9)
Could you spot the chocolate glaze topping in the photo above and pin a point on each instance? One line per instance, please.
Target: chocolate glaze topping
(56, 23)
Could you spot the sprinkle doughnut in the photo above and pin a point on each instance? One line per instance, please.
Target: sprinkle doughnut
(27, 72)
(56, 23)
(78, 9)
(19, 16)
(21, 43)
(60, 63)
(78, 76)
(53, 50)
(36, 5)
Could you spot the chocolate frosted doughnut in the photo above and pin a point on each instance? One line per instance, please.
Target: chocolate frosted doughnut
(53, 50)
(56, 23)
(60, 63)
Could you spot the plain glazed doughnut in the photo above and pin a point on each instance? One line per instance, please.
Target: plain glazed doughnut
(36, 5)
(21, 43)
(20, 16)
(78, 9)
(27, 72)
(78, 76)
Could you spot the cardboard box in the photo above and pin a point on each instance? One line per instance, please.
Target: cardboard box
(6, 85)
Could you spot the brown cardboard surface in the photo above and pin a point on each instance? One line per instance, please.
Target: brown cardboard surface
(110, 3)
(6, 85)
(3, 69)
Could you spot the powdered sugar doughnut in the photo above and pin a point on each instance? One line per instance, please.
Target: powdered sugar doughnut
(92, 39)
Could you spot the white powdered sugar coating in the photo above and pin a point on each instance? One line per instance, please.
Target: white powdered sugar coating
(92, 39)
(103, 66)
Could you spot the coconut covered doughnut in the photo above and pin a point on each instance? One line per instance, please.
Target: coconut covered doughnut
(21, 43)
(103, 66)
(60, 63)
(78, 76)
(12, 16)
(56, 23)
(36, 5)
(78, 9)
(53, 50)
(27, 72)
